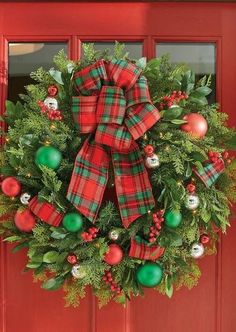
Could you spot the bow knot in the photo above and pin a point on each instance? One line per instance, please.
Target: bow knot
(114, 106)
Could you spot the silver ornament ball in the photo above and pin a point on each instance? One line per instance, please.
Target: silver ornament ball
(197, 250)
(51, 103)
(113, 235)
(192, 202)
(24, 198)
(78, 271)
(152, 161)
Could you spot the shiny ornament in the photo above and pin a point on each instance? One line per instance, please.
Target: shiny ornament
(78, 271)
(192, 202)
(72, 259)
(48, 156)
(113, 235)
(149, 274)
(114, 254)
(11, 187)
(24, 198)
(173, 219)
(204, 238)
(72, 222)
(51, 103)
(197, 250)
(52, 90)
(25, 220)
(152, 161)
(196, 125)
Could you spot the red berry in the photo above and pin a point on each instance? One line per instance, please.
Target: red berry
(226, 155)
(152, 239)
(229, 161)
(149, 150)
(72, 259)
(191, 188)
(52, 90)
(204, 238)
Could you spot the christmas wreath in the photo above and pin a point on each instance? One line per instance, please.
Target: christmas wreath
(116, 174)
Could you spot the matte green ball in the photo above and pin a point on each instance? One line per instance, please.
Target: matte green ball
(149, 274)
(48, 156)
(173, 219)
(72, 222)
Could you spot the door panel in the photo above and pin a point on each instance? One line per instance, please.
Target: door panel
(208, 307)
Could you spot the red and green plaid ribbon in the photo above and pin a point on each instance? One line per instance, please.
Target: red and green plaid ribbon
(141, 249)
(46, 212)
(210, 172)
(114, 106)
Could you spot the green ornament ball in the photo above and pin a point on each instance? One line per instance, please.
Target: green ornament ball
(48, 156)
(149, 274)
(72, 222)
(173, 219)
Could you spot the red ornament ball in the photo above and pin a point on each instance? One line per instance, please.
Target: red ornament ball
(114, 254)
(196, 125)
(72, 259)
(24, 220)
(52, 90)
(11, 186)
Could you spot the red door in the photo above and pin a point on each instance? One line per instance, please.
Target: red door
(147, 27)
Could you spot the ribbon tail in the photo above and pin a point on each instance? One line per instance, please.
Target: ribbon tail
(89, 179)
(133, 188)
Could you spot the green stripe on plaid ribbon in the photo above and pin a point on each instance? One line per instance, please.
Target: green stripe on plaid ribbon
(115, 106)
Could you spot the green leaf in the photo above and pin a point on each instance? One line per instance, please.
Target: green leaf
(13, 238)
(197, 156)
(169, 286)
(178, 121)
(59, 235)
(50, 257)
(141, 63)
(204, 90)
(172, 113)
(56, 75)
(33, 265)
(52, 284)
(20, 246)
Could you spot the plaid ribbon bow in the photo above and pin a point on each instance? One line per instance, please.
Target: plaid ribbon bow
(114, 106)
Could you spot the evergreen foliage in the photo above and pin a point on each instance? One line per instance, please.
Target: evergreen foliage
(179, 152)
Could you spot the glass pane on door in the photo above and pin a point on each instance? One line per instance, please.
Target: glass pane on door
(200, 57)
(135, 49)
(25, 58)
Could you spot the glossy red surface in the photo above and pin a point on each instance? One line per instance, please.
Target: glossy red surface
(210, 306)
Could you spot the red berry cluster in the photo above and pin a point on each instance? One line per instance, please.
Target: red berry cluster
(90, 234)
(157, 221)
(107, 278)
(51, 114)
(72, 259)
(191, 188)
(174, 98)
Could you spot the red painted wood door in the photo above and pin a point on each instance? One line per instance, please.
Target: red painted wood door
(210, 306)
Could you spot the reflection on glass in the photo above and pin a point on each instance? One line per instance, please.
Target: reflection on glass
(135, 49)
(200, 57)
(25, 58)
